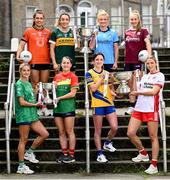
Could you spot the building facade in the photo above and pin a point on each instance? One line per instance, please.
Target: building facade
(155, 15)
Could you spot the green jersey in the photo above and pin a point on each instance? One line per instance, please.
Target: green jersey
(25, 114)
(64, 44)
(65, 82)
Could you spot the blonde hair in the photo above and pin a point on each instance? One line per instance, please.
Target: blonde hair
(23, 65)
(136, 13)
(102, 12)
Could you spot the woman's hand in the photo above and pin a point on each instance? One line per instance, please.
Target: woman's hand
(56, 67)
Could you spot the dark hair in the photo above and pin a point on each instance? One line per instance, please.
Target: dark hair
(69, 58)
(59, 19)
(37, 11)
(97, 54)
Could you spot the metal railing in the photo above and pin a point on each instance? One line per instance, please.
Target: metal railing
(162, 120)
(9, 104)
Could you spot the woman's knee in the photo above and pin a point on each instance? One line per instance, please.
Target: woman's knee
(131, 134)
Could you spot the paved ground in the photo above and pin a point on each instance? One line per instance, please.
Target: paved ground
(91, 176)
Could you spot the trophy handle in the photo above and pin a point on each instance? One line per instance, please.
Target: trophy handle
(54, 94)
(75, 36)
(106, 79)
(40, 93)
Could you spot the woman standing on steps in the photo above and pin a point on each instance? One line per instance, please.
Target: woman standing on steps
(137, 38)
(66, 89)
(102, 103)
(62, 42)
(26, 119)
(146, 110)
(106, 42)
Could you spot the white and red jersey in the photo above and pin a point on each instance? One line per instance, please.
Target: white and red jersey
(147, 103)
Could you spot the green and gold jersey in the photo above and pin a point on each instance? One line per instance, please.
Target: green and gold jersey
(64, 44)
(25, 114)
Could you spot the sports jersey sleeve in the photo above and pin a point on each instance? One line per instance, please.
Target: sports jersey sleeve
(19, 90)
(160, 80)
(25, 36)
(89, 78)
(115, 37)
(146, 34)
(74, 82)
(53, 38)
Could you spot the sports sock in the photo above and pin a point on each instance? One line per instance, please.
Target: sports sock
(143, 152)
(71, 152)
(30, 150)
(154, 162)
(65, 151)
(21, 163)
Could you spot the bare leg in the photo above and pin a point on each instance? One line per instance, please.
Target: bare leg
(69, 126)
(133, 126)
(62, 132)
(35, 77)
(112, 119)
(44, 76)
(98, 120)
(153, 134)
(23, 132)
(39, 128)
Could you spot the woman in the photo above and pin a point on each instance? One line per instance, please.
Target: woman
(62, 42)
(26, 119)
(137, 38)
(37, 38)
(146, 110)
(67, 86)
(106, 42)
(102, 104)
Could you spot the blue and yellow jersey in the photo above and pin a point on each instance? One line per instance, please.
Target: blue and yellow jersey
(98, 100)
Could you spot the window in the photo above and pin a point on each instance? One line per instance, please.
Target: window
(29, 13)
(115, 19)
(147, 17)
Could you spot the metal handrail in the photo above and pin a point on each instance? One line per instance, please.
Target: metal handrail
(8, 105)
(162, 120)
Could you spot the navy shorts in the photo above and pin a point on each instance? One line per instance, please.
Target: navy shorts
(64, 115)
(108, 67)
(132, 67)
(40, 66)
(104, 110)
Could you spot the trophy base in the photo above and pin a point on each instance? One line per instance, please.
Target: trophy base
(85, 50)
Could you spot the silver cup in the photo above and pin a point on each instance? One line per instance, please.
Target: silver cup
(85, 34)
(123, 77)
(47, 87)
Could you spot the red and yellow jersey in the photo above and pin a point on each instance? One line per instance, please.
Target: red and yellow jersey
(38, 45)
(97, 97)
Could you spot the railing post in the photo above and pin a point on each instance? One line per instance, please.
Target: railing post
(7, 138)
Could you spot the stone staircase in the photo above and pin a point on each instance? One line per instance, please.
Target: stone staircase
(119, 161)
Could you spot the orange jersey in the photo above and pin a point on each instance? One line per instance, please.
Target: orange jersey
(37, 41)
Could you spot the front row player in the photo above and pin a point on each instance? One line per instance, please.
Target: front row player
(66, 89)
(146, 110)
(26, 119)
(102, 106)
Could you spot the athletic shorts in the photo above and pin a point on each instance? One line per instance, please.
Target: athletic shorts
(108, 67)
(25, 123)
(132, 67)
(146, 116)
(104, 110)
(40, 66)
(64, 115)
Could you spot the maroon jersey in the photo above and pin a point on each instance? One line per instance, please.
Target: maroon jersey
(134, 43)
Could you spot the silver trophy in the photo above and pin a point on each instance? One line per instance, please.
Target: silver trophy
(123, 77)
(47, 87)
(85, 34)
